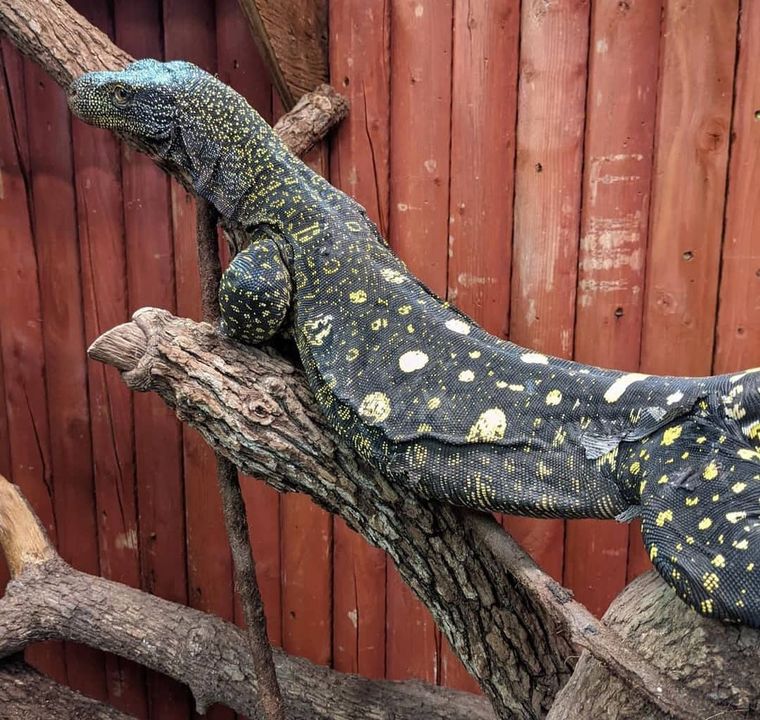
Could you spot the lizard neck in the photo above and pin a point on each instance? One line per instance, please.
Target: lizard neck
(235, 160)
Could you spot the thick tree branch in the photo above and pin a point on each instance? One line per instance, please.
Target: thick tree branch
(48, 600)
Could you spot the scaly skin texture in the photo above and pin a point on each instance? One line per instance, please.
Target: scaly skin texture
(424, 394)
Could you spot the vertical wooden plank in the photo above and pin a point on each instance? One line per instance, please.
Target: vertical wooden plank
(483, 118)
(158, 456)
(57, 242)
(421, 38)
(738, 327)
(240, 66)
(104, 273)
(688, 194)
(359, 67)
(306, 546)
(22, 348)
(620, 115)
(550, 119)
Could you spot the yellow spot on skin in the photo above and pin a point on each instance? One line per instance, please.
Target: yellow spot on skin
(352, 354)
(405, 310)
(706, 606)
(750, 567)
(466, 376)
(458, 326)
(489, 427)
(746, 454)
(719, 561)
(358, 297)
(413, 360)
(753, 431)
(711, 471)
(475, 354)
(375, 407)
(392, 276)
(553, 397)
(705, 524)
(663, 517)
(671, 435)
(635, 468)
(434, 403)
(710, 582)
(534, 359)
(738, 487)
(663, 480)
(735, 517)
(692, 501)
(741, 544)
(653, 552)
(616, 390)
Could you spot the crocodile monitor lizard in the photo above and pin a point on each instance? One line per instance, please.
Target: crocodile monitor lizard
(424, 394)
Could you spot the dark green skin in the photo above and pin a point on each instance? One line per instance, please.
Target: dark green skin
(424, 394)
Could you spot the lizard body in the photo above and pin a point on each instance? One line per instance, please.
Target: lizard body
(423, 393)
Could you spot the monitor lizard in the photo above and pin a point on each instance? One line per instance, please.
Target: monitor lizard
(420, 390)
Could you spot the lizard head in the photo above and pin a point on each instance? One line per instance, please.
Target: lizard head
(141, 101)
(186, 116)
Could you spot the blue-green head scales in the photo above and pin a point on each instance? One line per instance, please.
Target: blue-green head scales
(187, 117)
(423, 393)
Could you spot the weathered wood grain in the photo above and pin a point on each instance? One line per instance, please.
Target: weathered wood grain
(688, 194)
(20, 317)
(421, 44)
(550, 122)
(737, 343)
(620, 121)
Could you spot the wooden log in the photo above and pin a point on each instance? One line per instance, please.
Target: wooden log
(648, 615)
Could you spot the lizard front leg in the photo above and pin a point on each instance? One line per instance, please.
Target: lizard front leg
(255, 292)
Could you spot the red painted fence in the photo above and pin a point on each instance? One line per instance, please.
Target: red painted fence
(579, 176)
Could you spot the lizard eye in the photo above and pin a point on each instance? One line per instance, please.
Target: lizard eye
(121, 96)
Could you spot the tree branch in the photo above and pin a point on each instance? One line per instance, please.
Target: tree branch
(48, 600)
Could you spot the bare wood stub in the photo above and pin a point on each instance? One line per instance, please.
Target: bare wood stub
(21, 536)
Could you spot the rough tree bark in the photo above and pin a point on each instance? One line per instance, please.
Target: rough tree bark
(49, 600)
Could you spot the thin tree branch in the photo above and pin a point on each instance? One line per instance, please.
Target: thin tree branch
(233, 506)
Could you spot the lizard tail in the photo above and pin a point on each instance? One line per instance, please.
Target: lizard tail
(699, 483)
